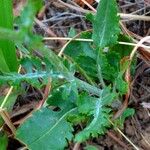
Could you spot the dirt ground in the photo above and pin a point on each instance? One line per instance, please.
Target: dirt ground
(55, 20)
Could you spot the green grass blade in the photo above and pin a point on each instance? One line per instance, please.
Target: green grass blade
(7, 48)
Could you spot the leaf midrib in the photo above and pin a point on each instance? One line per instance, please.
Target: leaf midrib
(47, 132)
(104, 28)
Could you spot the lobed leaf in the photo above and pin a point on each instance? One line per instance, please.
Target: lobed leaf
(106, 24)
(15, 79)
(100, 113)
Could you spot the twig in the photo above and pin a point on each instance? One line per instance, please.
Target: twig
(47, 30)
(87, 4)
(146, 141)
(46, 93)
(134, 17)
(70, 40)
(110, 134)
(62, 16)
(3, 112)
(76, 146)
(122, 15)
(90, 40)
(7, 120)
(74, 7)
(138, 45)
(42, 11)
(135, 147)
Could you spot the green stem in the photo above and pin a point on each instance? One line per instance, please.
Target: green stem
(87, 87)
(82, 72)
(55, 60)
(100, 71)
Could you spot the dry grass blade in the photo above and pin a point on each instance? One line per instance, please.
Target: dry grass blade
(47, 30)
(122, 15)
(146, 141)
(134, 17)
(4, 114)
(88, 4)
(70, 40)
(7, 120)
(90, 40)
(110, 134)
(134, 146)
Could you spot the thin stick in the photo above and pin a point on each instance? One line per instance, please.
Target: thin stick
(70, 40)
(75, 8)
(122, 15)
(76, 146)
(46, 93)
(110, 134)
(6, 97)
(87, 4)
(138, 45)
(90, 40)
(134, 17)
(47, 30)
(8, 94)
(146, 141)
(135, 147)
(4, 114)
(7, 120)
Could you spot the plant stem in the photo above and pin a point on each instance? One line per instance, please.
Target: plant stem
(87, 87)
(99, 70)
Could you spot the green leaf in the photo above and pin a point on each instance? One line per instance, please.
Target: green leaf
(86, 104)
(72, 32)
(90, 17)
(3, 64)
(9, 104)
(122, 50)
(59, 97)
(28, 14)
(10, 101)
(70, 91)
(109, 72)
(29, 63)
(3, 141)
(82, 53)
(50, 130)
(127, 113)
(106, 24)
(7, 47)
(90, 147)
(121, 85)
(100, 113)
(78, 48)
(32, 78)
(88, 64)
